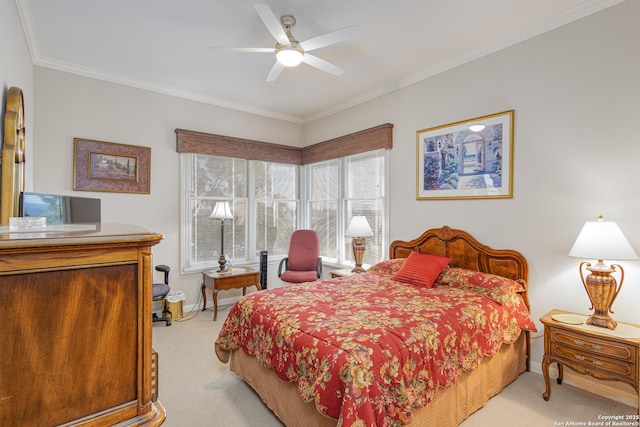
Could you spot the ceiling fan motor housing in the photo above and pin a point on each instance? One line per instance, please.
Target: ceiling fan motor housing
(289, 55)
(288, 21)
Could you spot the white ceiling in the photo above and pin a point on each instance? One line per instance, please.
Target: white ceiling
(164, 45)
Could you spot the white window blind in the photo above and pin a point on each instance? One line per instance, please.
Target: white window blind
(263, 200)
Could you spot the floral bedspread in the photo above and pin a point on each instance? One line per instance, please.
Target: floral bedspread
(366, 348)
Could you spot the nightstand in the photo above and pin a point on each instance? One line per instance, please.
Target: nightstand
(590, 350)
(232, 279)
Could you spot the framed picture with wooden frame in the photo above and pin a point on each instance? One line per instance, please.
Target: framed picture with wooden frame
(470, 159)
(111, 167)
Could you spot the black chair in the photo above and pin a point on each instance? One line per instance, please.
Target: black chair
(160, 291)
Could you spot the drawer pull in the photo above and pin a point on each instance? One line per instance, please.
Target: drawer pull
(593, 362)
(582, 344)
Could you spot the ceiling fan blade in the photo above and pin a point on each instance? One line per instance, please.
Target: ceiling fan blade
(272, 23)
(245, 49)
(329, 38)
(321, 64)
(275, 71)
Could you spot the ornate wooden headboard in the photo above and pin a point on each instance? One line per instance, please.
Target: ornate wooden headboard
(465, 252)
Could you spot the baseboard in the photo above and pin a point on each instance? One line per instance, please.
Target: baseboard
(198, 305)
(221, 304)
(610, 389)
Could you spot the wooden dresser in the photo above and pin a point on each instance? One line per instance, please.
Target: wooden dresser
(75, 307)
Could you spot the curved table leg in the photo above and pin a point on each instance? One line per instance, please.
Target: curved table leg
(560, 373)
(545, 374)
(204, 296)
(215, 304)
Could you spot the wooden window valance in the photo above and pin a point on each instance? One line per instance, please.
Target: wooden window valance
(227, 146)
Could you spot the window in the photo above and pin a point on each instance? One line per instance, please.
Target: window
(262, 197)
(344, 176)
(323, 202)
(276, 204)
(365, 190)
(337, 190)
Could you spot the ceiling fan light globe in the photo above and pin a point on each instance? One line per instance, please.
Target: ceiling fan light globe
(289, 56)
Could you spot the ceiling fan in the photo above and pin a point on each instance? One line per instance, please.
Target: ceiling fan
(289, 51)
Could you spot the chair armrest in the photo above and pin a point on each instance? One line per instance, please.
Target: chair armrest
(164, 269)
(285, 262)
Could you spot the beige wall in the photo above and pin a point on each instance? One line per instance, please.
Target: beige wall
(575, 92)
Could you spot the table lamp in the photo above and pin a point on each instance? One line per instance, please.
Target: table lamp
(601, 240)
(358, 229)
(221, 211)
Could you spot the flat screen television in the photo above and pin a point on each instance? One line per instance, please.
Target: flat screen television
(60, 209)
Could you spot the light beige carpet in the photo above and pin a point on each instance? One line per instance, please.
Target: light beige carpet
(198, 390)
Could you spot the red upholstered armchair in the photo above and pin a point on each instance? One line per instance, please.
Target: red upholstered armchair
(303, 264)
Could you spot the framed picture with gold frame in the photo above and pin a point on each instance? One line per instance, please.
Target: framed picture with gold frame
(470, 159)
(111, 167)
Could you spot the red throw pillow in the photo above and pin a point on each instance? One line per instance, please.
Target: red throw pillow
(421, 269)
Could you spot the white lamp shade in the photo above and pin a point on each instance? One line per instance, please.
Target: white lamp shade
(359, 227)
(221, 211)
(602, 240)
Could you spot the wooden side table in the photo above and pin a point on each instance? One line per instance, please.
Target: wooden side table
(232, 279)
(590, 350)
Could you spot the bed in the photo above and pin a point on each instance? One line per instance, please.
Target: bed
(426, 337)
